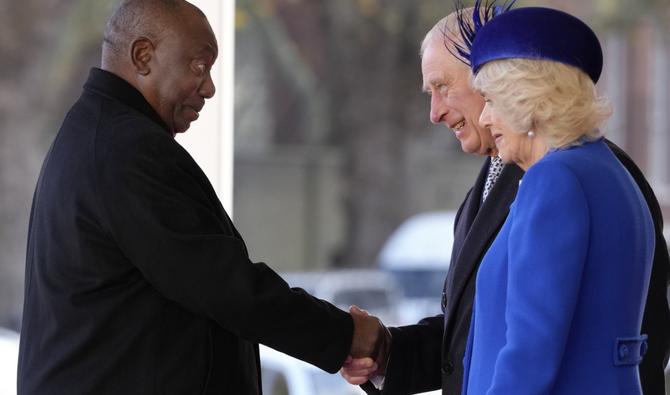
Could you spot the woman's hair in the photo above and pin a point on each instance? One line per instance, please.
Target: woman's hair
(557, 101)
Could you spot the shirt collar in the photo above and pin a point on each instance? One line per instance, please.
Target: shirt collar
(116, 88)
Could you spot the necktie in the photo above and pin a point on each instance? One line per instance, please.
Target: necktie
(495, 168)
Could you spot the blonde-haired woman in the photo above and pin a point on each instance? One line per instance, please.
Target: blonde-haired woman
(560, 292)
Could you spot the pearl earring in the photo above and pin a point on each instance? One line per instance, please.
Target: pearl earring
(531, 134)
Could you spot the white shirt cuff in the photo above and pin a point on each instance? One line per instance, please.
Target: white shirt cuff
(378, 381)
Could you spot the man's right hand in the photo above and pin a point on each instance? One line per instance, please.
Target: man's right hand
(369, 349)
(358, 371)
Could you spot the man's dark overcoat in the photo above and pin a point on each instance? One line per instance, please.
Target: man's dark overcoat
(429, 355)
(137, 281)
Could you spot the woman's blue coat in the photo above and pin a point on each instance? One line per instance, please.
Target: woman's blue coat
(561, 291)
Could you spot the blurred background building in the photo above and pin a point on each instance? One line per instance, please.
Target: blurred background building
(333, 147)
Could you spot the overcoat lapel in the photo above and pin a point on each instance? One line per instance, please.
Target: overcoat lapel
(485, 226)
(464, 219)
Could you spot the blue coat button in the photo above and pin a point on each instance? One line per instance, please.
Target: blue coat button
(623, 351)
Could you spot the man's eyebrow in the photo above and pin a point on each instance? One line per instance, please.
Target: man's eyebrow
(207, 49)
(433, 82)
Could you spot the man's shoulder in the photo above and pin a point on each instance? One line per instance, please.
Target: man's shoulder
(125, 121)
(626, 160)
(119, 122)
(124, 135)
(618, 151)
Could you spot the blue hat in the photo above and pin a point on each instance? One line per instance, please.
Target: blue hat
(537, 33)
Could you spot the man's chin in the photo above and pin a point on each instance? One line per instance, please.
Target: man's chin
(469, 148)
(478, 149)
(182, 128)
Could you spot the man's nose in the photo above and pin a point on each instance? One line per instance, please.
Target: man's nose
(207, 89)
(437, 109)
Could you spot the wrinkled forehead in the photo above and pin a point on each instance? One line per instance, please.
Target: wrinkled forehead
(437, 58)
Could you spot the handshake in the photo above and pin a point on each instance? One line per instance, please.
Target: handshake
(370, 348)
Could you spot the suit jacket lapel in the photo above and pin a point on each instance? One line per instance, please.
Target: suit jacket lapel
(485, 227)
(466, 216)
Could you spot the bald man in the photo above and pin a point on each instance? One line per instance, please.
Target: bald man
(137, 282)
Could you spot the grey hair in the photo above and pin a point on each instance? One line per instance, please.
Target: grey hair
(447, 29)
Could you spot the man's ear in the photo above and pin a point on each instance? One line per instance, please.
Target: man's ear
(141, 52)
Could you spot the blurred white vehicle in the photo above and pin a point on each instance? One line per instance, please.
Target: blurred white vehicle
(9, 356)
(373, 290)
(284, 375)
(418, 254)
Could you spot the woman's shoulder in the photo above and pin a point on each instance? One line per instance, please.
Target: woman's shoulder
(559, 164)
(558, 172)
(584, 149)
(576, 160)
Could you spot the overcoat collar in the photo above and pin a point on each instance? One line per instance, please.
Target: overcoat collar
(116, 88)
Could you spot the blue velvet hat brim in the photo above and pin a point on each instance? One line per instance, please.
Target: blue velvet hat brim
(538, 33)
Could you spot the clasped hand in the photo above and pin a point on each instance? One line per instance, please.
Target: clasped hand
(369, 348)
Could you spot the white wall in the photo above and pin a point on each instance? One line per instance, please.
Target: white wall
(210, 138)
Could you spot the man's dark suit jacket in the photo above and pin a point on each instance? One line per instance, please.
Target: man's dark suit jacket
(137, 281)
(429, 355)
